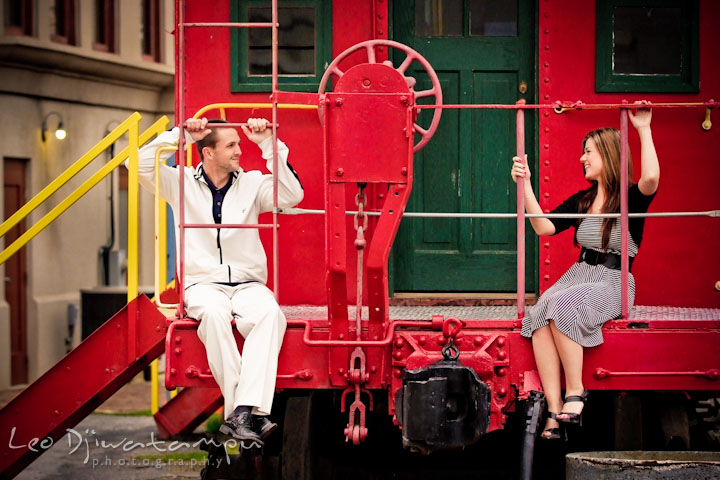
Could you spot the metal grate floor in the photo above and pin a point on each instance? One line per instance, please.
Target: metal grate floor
(640, 312)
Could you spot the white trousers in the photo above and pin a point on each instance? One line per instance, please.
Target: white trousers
(248, 379)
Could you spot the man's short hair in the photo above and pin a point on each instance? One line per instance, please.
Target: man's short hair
(211, 139)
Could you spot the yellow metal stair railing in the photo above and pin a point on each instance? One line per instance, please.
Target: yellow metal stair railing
(130, 126)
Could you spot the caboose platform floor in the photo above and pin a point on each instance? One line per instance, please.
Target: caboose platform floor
(639, 313)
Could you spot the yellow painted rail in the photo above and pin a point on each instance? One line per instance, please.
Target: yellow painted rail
(129, 126)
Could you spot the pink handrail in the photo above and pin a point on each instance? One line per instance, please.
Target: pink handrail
(624, 265)
(180, 74)
(568, 105)
(520, 151)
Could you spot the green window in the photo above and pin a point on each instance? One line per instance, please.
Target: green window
(647, 46)
(304, 45)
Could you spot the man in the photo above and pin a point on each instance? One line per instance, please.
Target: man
(226, 269)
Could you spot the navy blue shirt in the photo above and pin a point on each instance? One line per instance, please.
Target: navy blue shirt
(218, 196)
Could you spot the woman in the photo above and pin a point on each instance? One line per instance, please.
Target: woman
(569, 316)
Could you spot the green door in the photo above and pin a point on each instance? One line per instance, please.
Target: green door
(483, 53)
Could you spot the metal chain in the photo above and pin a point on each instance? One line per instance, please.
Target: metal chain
(360, 222)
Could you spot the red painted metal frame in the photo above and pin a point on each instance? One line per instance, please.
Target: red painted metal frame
(624, 268)
(520, 153)
(79, 383)
(677, 355)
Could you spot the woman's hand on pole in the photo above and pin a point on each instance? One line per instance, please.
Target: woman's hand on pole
(520, 170)
(649, 165)
(642, 116)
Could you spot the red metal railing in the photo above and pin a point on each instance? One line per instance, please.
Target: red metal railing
(181, 25)
(559, 107)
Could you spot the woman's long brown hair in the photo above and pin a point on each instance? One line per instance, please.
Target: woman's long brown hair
(607, 141)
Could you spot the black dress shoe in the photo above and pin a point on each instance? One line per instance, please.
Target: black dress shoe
(263, 426)
(241, 427)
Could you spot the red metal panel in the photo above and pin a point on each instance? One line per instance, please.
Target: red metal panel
(187, 410)
(187, 364)
(85, 378)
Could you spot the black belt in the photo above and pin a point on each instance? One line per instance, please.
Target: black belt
(609, 260)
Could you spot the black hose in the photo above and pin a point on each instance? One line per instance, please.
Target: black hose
(533, 415)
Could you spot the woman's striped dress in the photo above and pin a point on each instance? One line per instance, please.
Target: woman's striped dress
(586, 296)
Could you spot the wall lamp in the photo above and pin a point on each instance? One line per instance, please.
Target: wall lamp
(60, 132)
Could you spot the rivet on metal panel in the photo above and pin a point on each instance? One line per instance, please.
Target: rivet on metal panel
(341, 371)
(399, 342)
(178, 351)
(501, 372)
(373, 369)
(478, 341)
(546, 80)
(546, 114)
(423, 340)
(107, 370)
(397, 355)
(546, 195)
(501, 341)
(173, 372)
(366, 82)
(339, 102)
(547, 163)
(546, 146)
(57, 412)
(547, 261)
(397, 372)
(502, 355)
(547, 47)
(178, 340)
(546, 245)
(546, 64)
(546, 179)
(339, 172)
(404, 170)
(502, 392)
(440, 340)
(341, 336)
(380, 31)
(546, 277)
(404, 100)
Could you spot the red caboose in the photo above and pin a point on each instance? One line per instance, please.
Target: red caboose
(402, 120)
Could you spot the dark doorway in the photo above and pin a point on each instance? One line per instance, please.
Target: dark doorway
(16, 271)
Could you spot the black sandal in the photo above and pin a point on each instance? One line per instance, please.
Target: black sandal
(571, 416)
(551, 433)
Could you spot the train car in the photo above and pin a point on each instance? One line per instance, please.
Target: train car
(406, 268)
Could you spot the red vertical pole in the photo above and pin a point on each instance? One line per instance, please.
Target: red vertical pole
(276, 246)
(180, 111)
(625, 270)
(520, 152)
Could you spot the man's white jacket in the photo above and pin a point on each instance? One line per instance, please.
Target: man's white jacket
(228, 254)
